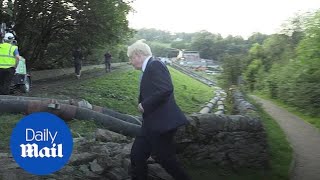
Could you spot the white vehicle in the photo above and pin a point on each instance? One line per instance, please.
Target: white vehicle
(21, 79)
(166, 60)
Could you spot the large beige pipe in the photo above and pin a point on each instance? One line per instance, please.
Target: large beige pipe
(209, 106)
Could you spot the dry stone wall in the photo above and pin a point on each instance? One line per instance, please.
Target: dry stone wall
(234, 141)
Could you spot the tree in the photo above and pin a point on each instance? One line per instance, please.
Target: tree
(276, 49)
(180, 45)
(287, 65)
(255, 52)
(204, 42)
(232, 68)
(45, 27)
(308, 55)
(251, 73)
(158, 49)
(257, 38)
(153, 35)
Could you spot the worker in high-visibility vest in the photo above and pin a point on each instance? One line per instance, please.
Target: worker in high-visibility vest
(9, 58)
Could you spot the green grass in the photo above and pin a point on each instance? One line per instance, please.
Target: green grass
(83, 128)
(7, 123)
(190, 94)
(212, 77)
(315, 121)
(119, 91)
(156, 43)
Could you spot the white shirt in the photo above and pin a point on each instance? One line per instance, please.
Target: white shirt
(145, 62)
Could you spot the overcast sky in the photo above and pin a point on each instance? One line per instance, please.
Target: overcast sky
(235, 17)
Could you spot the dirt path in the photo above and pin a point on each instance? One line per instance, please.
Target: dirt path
(304, 138)
(53, 86)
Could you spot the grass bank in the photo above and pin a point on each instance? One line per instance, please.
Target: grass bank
(119, 91)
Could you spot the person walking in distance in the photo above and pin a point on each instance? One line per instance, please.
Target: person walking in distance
(107, 61)
(161, 116)
(9, 58)
(77, 60)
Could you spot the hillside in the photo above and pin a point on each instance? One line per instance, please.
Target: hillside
(119, 91)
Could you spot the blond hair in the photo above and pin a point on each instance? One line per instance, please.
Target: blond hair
(139, 47)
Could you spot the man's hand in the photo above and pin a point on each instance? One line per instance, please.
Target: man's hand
(140, 108)
(17, 60)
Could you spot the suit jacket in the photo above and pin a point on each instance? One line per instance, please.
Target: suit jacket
(161, 113)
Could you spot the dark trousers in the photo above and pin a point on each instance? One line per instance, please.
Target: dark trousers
(163, 147)
(6, 76)
(108, 66)
(77, 67)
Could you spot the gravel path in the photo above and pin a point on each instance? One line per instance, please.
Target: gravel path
(304, 138)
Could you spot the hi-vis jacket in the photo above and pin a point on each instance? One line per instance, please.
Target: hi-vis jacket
(7, 58)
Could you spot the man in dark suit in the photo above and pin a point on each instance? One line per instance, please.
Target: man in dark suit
(161, 116)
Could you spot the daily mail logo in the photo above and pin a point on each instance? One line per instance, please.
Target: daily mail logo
(41, 143)
(32, 150)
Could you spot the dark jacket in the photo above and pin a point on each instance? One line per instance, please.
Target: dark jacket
(161, 113)
(107, 57)
(77, 56)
